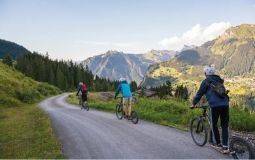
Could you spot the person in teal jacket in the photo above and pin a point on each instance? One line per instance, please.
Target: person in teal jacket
(125, 90)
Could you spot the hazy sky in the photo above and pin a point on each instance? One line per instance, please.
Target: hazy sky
(77, 29)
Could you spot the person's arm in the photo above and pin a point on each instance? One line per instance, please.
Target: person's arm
(202, 90)
(117, 91)
(78, 91)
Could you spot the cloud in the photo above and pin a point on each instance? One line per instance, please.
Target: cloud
(197, 35)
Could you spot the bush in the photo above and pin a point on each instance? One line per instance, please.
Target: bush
(28, 96)
(9, 102)
(242, 120)
(46, 89)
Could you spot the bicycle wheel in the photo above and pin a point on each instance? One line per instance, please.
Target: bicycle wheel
(241, 148)
(119, 111)
(86, 106)
(134, 117)
(198, 131)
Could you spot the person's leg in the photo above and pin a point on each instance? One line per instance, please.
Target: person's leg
(85, 98)
(224, 118)
(125, 102)
(215, 113)
(129, 106)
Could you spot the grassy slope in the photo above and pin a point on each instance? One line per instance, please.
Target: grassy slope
(25, 129)
(171, 112)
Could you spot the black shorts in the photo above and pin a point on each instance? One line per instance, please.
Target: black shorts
(84, 97)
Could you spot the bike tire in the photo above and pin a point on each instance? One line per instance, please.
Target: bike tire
(199, 131)
(134, 117)
(119, 111)
(240, 153)
(87, 107)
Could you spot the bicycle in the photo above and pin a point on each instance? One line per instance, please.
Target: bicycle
(239, 147)
(120, 112)
(84, 104)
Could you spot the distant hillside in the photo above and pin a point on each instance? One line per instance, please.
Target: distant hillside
(15, 50)
(114, 64)
(16, 88)
(157, 56)
(233, 54)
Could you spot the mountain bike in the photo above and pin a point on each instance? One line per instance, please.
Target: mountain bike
(239, 147)
(120, 112)
(84, 104)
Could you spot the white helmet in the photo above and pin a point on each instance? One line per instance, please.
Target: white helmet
(209, 70)
(80, 83)
(122, 79)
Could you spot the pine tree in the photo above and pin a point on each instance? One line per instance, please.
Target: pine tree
(182, 92)
(133, 86)
(60, 82)
(65, 75)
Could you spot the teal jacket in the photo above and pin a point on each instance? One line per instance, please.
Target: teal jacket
(125, 90)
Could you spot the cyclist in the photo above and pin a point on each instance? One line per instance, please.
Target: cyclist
(83, 90)
(125, 90)
(219, 104)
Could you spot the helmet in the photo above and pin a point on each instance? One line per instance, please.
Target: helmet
(122, 79)
(80, 83)
(209, 70)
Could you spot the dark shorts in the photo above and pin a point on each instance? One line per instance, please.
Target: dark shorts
(84, 97)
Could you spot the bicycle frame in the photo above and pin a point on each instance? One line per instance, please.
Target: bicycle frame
(206, 117)
(121, 100)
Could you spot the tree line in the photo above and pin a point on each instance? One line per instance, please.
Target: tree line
(66, 75)
(167, 90)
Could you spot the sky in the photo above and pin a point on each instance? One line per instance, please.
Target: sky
(78, 29)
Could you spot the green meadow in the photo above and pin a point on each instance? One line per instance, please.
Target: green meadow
(25, 130)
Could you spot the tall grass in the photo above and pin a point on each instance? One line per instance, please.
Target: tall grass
(26, 133)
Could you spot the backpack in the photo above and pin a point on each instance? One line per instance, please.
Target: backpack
(218, 88)
(83, 88)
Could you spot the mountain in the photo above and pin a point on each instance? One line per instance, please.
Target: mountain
(15, 50)
(157, 56)
(232, 53)
(187, 47)
(114, 64)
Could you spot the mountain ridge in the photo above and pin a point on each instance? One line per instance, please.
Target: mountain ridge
(13, 49)
(232, 53)
(116, 64)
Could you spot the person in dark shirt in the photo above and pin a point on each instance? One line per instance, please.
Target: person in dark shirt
(219, 108)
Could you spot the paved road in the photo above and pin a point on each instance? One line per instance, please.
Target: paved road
(96, 134)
